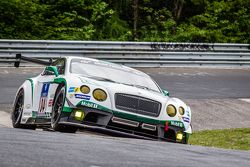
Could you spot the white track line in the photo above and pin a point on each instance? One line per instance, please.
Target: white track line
(5, 119)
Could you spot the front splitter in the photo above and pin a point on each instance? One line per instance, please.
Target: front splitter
(104, 130)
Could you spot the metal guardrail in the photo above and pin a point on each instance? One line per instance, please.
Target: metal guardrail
(136, 54)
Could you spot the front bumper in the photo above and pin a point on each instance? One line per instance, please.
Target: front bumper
(108, 122)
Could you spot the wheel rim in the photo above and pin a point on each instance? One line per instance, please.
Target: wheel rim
(57, 108)
(18, 109)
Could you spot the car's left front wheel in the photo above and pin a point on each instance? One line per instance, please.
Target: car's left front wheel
(57, 110)
(17, 112)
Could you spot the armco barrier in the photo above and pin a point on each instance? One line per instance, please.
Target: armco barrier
(136, 54)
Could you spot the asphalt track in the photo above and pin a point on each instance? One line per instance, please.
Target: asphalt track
(216, 92)
(24, 148)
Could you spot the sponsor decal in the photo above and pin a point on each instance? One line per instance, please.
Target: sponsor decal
(50, 103)
(186, 119)
(36, 114)
(80, 96)
(188, 113)
(27, 114)
(71, 95)
(73, 89)
(44, 98)
(77, 89)
(91, 105)
(42, 104)
(28, 106)
(176, 123)
(45, 90)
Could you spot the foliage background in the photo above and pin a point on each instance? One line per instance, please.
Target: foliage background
(127, 20)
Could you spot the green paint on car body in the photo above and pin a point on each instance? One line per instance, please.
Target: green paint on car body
(93, 105)
(52, 69)
(61, 80)
(34, 114)
(176, 123)
(165, 92)
(46, 115)
(67, 109)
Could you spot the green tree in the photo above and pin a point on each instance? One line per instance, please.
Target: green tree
(222, 21)
(75, 19)
(20, 19)
(138, 20)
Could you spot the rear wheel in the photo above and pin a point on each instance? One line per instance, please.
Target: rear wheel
(17, 112)
(57, 110)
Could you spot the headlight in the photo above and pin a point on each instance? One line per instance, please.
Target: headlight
(171, 110)
(181, 110)
(84, 89)
(100, 95)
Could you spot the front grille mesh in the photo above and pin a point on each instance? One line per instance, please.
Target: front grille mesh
(137, 104)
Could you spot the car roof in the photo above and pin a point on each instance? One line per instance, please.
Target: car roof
(117, 66)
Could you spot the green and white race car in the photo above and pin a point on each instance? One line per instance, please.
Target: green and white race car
(76, 92)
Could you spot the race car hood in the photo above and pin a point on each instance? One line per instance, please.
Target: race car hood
(113, 88)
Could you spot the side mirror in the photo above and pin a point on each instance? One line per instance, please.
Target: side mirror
(165, 93)
(51, 70)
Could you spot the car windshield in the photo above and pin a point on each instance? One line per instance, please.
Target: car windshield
(110, 72)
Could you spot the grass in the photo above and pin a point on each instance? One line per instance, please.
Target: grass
(227, 138)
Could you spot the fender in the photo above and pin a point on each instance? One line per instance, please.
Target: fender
(189, 129)
(28, 87)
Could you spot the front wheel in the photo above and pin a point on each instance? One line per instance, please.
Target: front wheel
(57, 110)
(17, 112)
(186, 137)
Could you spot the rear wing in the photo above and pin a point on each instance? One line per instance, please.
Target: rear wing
(19, 57)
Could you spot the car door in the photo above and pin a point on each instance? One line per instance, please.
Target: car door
(45, 89)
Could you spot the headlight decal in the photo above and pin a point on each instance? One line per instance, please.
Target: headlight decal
(171, 110)
(84, 89)
(181, 110)
(99, 94)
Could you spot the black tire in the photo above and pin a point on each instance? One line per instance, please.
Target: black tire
(57, 110)
(18, 111)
